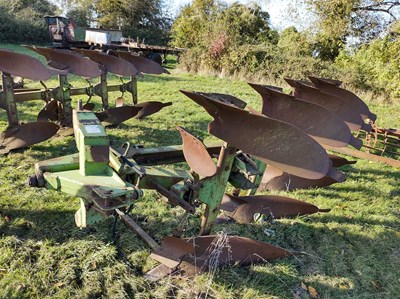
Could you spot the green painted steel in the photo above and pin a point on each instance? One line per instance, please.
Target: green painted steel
(88, 175)
(212, 189)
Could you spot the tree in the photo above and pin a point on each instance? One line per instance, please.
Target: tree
(203, 21)
(361, 20)
(247, 23)
(83, 12)
(142, 18)
(193, 23)
(22, 20)
(295, 43)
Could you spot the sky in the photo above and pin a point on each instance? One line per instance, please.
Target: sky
(278, 10)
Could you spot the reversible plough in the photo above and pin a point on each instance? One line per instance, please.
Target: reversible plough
(350, 107)
(56, 116)
(281, 147)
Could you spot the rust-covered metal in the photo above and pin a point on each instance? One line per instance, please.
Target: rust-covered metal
(132, 225)
(144, 65)
(208, 253)
(25, 66)
(113, 64)
(25, 135)
(149, 108)
(381, 141)
(49, 112)
(73, 62)
(321, 124)
(245, 209)
(269, 139)
(331, 102)
(196, 154)
(352, 100)
(363, 155)
(119, 102)
(172, 250)
(338, 161)
(275, 179)
(225, 98)
(117, 115)
(89, 106)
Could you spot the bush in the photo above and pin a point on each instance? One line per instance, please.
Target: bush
(22, 22)
(236, 40)
(266, 62)
(374, 67)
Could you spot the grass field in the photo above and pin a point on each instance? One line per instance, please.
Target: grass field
(351, 252)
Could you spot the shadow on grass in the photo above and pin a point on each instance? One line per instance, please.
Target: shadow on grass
(374, 172)
(330, 252)
(333, 262)
(328, 218)
(274, 282)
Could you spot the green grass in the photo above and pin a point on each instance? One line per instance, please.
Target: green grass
(351, 252)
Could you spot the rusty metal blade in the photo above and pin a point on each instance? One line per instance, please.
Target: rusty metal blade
(171, 251)
(363, 155)
(275, 179)
(25, 66)
(214, 251)
(89, 106)
(25, 135)
(65, 131)
(144, 65)
(275, 142)
(196, 154)
(331, 102)
(326, 85)
(276, 206)
(387, 132)
(321, 124)
(117, 115)
(49, 112)
(43, 115)
(76, 63)
(338, 161)
(226, 98)
(113, 64)
(149, 108)
(211, 252)
(119, 102)
(327, 80)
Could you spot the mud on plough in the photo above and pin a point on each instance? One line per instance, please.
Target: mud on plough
(56, 116)
(280, 147)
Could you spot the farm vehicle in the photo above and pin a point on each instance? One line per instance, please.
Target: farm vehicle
(65, 34)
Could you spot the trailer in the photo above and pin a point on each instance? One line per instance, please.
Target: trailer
(65, 34)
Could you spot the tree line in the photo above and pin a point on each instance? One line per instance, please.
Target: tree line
(356, 41)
